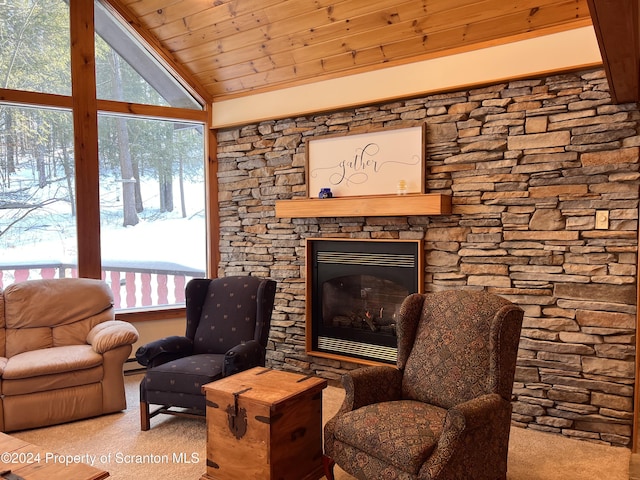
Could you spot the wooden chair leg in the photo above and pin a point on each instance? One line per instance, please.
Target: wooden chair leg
(328, 464)
(145, 423)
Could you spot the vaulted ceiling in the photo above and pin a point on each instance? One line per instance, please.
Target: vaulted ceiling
(232, 48)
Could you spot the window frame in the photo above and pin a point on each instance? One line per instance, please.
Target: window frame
(85, 107)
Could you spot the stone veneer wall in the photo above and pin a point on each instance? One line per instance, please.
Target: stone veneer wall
(527, 163)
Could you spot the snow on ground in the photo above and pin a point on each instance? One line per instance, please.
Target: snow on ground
(48, 235)
(179, 241)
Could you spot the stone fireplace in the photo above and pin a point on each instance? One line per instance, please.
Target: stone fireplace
(354, 291)
(527, 164)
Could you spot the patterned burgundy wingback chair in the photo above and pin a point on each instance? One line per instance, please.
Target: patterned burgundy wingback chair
(228, 321)
(445, 411)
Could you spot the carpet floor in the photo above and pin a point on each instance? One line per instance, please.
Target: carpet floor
(175, 447)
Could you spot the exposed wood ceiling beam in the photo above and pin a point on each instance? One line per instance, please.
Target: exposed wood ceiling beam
(616, 26)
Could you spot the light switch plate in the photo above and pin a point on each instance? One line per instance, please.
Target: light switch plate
(602, 219)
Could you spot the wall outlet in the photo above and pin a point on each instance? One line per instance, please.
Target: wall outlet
(602, 219)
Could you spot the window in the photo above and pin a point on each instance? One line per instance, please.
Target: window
(151, 208)
(151, 164)
(126, 71)
(34, 46)
(37, 194)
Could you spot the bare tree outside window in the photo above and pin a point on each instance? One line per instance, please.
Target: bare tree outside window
(147, 246)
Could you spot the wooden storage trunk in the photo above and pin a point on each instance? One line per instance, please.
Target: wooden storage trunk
(264, 424)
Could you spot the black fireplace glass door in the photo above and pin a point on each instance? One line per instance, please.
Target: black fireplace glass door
(361, 302)
(357, 288)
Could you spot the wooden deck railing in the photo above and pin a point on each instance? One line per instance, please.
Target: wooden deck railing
(134, 284)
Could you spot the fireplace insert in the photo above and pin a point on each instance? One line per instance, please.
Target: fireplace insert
(354, 291)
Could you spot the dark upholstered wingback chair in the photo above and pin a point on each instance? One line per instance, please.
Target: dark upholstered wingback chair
(228, 322)
(445, 411)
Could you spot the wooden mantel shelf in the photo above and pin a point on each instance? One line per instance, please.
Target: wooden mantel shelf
(369, 206)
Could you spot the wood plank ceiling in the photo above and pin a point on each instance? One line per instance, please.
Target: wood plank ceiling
(239, 47)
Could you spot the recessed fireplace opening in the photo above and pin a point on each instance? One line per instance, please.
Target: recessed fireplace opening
(354, 291)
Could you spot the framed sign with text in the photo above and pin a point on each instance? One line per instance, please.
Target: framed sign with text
(371, 163)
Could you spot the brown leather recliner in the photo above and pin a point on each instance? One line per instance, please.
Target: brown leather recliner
(61, 352)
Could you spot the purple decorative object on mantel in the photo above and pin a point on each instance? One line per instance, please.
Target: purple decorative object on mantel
(325, 193)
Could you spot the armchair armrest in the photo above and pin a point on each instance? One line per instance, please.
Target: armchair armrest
(242, 357)
(164, 350)
(478, 411)
(476, 422)
(364, 386)
(111, 334)
(368, 385)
